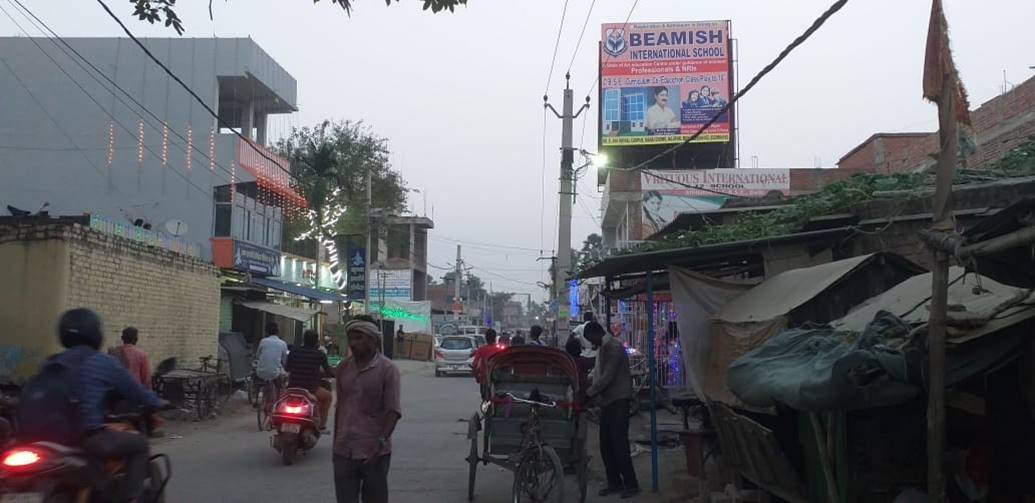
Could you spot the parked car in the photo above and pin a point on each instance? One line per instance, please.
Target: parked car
(454, 355)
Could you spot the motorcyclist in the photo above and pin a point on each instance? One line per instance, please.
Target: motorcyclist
(98, 377)
(306, 366)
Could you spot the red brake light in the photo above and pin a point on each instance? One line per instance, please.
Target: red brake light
(20, 458)
(293, 409)
(438, 355)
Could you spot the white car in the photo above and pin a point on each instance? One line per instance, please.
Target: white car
(454, 355)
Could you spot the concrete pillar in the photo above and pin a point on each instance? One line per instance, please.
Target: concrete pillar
(248, 119)
(260, 128)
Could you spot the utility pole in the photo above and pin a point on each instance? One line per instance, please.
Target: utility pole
(456, 284)
(370, 228)
(566, 199)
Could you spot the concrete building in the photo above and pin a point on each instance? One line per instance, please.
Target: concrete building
(73, 140)
(399, 258)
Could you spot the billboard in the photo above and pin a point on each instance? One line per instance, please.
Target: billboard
(660, 82)
(665, 195)
(390, 284)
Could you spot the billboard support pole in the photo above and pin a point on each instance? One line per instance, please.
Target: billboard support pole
(562, 271)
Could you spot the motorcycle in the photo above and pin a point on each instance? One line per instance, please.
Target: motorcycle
(296, 424)
(48, 472)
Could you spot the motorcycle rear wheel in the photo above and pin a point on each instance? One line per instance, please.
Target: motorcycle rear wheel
(288, 448)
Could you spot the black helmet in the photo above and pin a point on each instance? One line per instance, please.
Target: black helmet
(80, 327)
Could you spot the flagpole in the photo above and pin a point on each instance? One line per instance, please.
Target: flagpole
(942, 222)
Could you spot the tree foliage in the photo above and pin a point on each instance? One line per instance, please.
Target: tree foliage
(330, 163)
(164, 11)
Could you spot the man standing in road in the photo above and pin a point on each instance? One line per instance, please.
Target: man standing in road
(366, 414)
(534, 334)
(612, 390)
(271, 355)
(132, 357)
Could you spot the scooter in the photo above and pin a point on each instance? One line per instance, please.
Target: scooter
(48, 472)
(296, 424)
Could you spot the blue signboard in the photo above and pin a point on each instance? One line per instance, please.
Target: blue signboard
(573, 299)
(356, 282)
(256, 259)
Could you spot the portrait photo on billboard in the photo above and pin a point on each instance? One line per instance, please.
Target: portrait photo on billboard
(661, 208)
(661, 82)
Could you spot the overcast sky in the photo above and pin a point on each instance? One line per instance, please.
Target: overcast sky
(460, 95)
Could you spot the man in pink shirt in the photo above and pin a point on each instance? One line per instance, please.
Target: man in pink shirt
(365, 416)
(132, 357)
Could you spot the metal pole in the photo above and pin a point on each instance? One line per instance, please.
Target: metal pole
(370, 228)
(651, 366)
(943, 221)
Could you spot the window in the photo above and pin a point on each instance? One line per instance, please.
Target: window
(223, 215)
(240, 224)
(632, 107)
(222, 194)
(612, 101)
(454, 343)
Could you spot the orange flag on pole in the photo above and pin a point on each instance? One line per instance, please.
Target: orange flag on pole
(938, 65)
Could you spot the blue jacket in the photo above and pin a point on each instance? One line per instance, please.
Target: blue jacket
(96, 379)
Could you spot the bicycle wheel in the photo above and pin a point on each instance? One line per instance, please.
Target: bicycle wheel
(253, 391)
(539, 477)
(262, 410)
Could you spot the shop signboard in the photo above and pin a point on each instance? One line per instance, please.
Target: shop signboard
(390, 284)
(356, 277)
(666, 194)
(661, 82)
(256, 259)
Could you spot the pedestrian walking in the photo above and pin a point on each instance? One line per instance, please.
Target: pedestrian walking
(132, 357)
(612, 390)
(365, 417)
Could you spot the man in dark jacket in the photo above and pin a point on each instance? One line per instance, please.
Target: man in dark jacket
(612, 390)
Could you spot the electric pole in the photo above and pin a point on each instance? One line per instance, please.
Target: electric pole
(456, 285)
(566, 199)
(370, 229)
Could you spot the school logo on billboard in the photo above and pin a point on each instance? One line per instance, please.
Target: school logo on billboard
(614, 42)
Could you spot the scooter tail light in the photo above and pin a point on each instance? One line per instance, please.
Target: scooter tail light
(293, 409)
(21, 458)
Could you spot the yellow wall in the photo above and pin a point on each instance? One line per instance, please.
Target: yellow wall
(33, 279)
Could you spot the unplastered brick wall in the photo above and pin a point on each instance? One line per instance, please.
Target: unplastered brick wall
(172, 299)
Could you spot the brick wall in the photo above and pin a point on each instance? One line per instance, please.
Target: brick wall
(1000, 124)
(172, 299)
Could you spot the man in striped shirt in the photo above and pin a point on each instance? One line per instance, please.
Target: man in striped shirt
(306, 366)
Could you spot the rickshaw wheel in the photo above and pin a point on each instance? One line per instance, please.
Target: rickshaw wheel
(472, 456)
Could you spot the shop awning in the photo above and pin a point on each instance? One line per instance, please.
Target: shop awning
(286, 311)
(304, 291)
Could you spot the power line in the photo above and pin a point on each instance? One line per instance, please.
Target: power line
(556, 45)
(498, 275)
(88, 95)
(477, 243)
(161, 123)
(581, 33)
(190, 91)
(836, 6)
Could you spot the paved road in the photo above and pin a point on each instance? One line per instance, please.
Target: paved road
(231, 461)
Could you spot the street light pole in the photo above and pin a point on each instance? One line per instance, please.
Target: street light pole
(565, 201)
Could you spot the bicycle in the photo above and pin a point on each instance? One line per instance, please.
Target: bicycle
(266, 399)
(539, 474)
